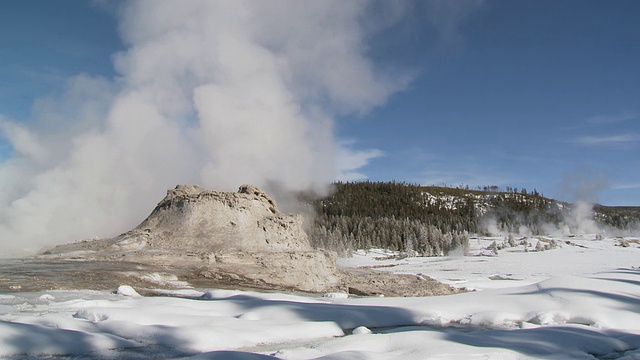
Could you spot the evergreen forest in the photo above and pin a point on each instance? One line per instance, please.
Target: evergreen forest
(434, 221)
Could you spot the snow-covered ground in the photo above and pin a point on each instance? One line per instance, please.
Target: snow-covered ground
(580, 300)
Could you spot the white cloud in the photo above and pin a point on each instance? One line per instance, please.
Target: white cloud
(349, 160)
(612, 118)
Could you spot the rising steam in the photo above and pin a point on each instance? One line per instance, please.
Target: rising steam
(217, 93)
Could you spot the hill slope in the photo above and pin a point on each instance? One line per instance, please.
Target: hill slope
(433, 220)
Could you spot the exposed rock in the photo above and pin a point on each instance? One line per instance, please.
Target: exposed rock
(365, 282)
(190, 217)
(215, 238)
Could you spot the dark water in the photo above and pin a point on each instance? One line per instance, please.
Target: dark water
(20, 275)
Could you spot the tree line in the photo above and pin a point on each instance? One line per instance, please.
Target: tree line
(431, 220)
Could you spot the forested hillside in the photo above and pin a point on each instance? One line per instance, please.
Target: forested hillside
(620, 217)
(432, 221)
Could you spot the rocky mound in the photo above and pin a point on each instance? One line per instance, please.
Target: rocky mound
(190, 217)
(213, 238)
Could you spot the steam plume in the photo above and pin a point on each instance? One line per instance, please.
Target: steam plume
(211, 92)
(583, 188)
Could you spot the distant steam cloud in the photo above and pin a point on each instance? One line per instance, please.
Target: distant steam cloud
(584, 186)
(212, 92)
(584, 189)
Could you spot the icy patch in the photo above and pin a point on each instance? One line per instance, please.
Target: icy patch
(47, 297)
(336, 295)
(161, 279)
(90, 316)
(220, 294)
(186, 293)
(130, 244)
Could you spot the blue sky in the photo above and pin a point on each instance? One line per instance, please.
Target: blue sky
(533, 94)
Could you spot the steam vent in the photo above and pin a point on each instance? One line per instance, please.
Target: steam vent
(237, 239)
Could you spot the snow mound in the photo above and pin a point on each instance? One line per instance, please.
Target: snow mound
(90, 316)
(361, 330)
(126, 290)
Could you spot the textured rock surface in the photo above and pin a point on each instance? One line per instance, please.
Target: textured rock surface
(221, 234)
(213, 238)
(190, 217)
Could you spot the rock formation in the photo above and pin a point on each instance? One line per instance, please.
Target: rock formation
(190, 217)
(241, 239)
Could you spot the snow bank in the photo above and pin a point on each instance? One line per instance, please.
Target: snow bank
(126, 290)
(19, 338)
(541, 310)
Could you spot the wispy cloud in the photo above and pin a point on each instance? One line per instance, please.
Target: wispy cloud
(602, 120)
(607, 140)
(612, 118)
(448, 16)
(627, 186)
(349, 160)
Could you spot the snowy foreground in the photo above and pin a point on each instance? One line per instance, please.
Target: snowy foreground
(580, 300)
